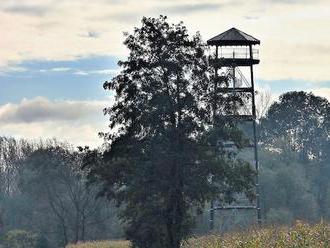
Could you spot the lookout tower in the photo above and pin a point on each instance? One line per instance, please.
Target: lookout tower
(235, 54)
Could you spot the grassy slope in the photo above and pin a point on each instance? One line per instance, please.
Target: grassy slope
(299, 236)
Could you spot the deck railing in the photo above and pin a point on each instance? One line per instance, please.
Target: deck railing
(238, 53)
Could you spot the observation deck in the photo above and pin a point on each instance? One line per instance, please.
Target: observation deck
(234, 48)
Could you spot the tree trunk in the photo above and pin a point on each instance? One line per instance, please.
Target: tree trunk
(65, 234)
(76, 231)
(83, 226)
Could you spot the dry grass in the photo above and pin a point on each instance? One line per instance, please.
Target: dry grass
(300, 236)
(101, 244)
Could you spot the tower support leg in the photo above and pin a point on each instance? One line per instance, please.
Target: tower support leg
(212, 216)
(256, 159)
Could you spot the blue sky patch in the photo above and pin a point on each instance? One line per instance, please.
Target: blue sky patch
(80, 79)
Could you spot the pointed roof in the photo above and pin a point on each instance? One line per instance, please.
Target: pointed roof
(233, 37)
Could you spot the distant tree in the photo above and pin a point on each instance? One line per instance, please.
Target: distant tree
(296, 132)
(159, 163)
(287, 188)
(12, 151)
(299, 122)
(54, 179)
(31, 169)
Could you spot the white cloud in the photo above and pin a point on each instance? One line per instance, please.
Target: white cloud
(41, 109)
(323, 92)
(292, 33)
(11, 69)
(61, 69)
(78, 135)
(20, 7)
(77, 122)
(188, 8)
(73, 71)
(105, 71)
(81, 73)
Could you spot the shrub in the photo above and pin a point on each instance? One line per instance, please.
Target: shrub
(23, 239)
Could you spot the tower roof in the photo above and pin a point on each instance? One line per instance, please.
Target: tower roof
(233, 37)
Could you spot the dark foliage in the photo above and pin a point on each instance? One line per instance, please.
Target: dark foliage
(300, 122)
(161, 161)
(295, 135)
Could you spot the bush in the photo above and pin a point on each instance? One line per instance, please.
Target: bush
(23, 239)
(279, 216)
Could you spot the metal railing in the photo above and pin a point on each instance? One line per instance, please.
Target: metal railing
(238, 53)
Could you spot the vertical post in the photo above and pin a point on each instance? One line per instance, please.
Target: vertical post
(257, 172)
(255, 141)
(234, 77)
(212, 216)
(214, 113)
(235, 112)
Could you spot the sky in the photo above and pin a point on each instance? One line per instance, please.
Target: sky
(56, 54)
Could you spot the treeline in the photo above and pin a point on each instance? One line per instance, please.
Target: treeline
(43, 191)
(295, 159)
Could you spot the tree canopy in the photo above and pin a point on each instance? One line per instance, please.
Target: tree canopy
(160, 163)
(300, 121)
(296, 136)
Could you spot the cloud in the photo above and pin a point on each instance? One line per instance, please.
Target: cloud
(92, 34)
(41, 109)
(191, 8)
(81, 73)
(76, 71)
(84, 28)
(102, 72)
(323, 92)
(251, 17)
(126, 17)
(106, 71)
(61, 69)
(77, 122)
(13, 69)
(55, 69)
(76, 134)
(31, 10)
(293, 1)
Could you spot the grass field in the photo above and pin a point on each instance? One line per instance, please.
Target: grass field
(101, 244)
(299, 236)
